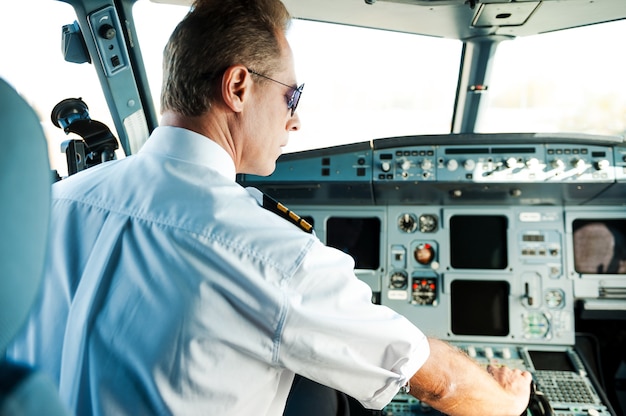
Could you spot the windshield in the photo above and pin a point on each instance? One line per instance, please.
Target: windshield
(364, 84)
(567, 81)
(361, 84)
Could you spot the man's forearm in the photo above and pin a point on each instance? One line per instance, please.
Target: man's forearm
(453, 383)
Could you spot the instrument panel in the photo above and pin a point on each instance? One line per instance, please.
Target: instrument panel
(485, 241)
(441, 266)
(513, 169)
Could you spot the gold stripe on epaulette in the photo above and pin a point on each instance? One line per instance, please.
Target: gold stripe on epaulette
(282, 207)
(277, 208)
(305, 225)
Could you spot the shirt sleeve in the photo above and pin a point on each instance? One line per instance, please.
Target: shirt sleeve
(334, 335)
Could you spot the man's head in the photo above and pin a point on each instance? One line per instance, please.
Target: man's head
(229, 75)
(215, 35)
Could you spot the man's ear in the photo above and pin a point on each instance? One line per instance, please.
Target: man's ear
(236, 83)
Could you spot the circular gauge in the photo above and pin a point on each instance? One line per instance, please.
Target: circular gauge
(407, 223)
(424, 253)
(398, 280)
(536, 325)
(554, 298)
(428, 223)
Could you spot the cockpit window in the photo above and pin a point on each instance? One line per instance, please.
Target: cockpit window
(364, 84)
(32, 62)
(361, 84)
(567, 81)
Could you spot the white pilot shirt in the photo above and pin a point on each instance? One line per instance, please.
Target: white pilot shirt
(169, 290)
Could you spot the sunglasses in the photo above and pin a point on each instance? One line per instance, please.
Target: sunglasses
(292, 103)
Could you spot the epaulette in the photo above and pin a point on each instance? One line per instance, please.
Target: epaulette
(279, 209)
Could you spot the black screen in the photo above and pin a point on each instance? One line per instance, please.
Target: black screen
(358, 237)
(480, 307)
(478, 242)
(599, 246)
(551, 360)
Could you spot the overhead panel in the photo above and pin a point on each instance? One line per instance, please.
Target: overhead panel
(456, 19)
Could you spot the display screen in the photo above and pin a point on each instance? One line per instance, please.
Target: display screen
(551, 361)
(599, 246)
(358, 237)
(478, 242)
(480, 307)
(534, 238)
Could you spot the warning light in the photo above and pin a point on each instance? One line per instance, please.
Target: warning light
(478, 88)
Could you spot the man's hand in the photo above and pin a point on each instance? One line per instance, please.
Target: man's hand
(515, 381)
(456, 385)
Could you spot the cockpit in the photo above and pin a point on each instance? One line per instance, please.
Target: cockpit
(468, 155)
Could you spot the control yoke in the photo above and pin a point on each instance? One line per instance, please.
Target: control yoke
(98, 144)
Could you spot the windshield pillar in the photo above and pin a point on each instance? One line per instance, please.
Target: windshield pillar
(473, 84)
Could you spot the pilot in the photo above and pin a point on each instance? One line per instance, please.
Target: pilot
(171, 289)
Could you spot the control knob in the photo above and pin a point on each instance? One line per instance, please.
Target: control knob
(385, 166)
(426, 164)
(106, 31)
(532, 163)
(469, 164)
(407, 223)
(602, 164)
(579, 164)
(452, 165)
(398, 280)
(489, 353)
(558, 164)
(424, 253)
(471, 351)
(427, 223)
(510, 162)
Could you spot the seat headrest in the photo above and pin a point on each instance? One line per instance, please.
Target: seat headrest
(25, 181)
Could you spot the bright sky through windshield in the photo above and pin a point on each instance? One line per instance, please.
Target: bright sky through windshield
(361, 84)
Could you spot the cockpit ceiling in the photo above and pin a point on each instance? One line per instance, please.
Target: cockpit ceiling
(456, 19)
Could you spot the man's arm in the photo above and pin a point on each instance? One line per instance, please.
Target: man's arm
(454, 384)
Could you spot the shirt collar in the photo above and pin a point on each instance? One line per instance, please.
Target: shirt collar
(183, 144)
